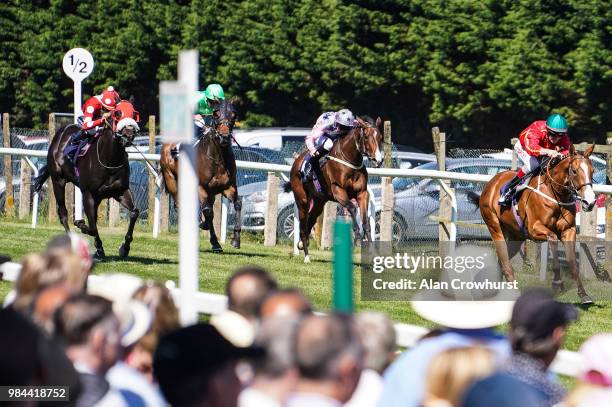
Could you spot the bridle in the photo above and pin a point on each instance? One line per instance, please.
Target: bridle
(572, 188)
(359, 143)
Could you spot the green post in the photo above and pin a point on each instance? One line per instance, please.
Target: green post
(343, 267)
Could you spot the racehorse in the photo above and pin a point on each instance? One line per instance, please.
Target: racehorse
(342, 178)
(216, 170)
(103, 172)
(545, 211)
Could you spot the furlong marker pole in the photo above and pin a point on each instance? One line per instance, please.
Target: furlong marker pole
(189, 240)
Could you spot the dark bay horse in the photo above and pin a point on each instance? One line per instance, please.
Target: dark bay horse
(104, 172)
(547, 211)
(216, 170)
(343, 178)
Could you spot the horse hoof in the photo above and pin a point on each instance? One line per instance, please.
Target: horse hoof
(99, 255)
(306, 259)
(217, 249)
(300, 245)
(558, 287)
(585, 299)
(236, 244)
(124, 251)
(203, 226)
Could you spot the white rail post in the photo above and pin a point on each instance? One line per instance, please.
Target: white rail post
(177, 101)
(35, 198)
(157, 204)
(223, 216)
(296, 229)
(271, 220)
(387, 196)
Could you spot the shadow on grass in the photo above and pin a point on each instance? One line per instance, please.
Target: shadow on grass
(136, 259)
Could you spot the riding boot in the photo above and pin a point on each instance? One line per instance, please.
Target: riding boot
(508, 190)
(307, 168)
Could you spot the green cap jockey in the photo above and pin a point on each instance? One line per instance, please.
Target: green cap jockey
(214, 91)
(556, 123)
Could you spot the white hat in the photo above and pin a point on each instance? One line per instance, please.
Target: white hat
(134, 317)
(468, 308)
(234, 327)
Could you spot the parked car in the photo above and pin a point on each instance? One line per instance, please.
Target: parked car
(273, 138)
(417, 201)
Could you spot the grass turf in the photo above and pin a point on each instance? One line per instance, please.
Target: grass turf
(157, 259)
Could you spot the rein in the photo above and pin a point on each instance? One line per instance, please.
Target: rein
(98, 152)
(573, 189)
(344, 160)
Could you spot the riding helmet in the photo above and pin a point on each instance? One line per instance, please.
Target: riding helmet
(556, 123)
(109, 98)
(345, 117)
(214, 91)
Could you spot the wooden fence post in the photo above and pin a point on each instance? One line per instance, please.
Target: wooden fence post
(24, 191)
(330, 211)
(587, 244)
(103, 212)
(164, 211)
(113, 213)
(445, 211)
(387, 197)
(52, 205)
(69, 196)
(514, 156)
(271, 210)
(9, 203)
(217, 218)
(152, 188)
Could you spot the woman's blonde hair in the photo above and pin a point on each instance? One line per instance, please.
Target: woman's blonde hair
(159, 301)
(451, 372)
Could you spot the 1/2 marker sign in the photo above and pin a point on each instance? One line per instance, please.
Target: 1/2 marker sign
(78, 64)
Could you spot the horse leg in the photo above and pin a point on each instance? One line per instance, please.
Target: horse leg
(127, 201)
(569, 240)
(500, 241)
(342, 198)
(557, 283)
(209, 215)
(59, 189)
(90, 205)
(363, 199)
(232, 194)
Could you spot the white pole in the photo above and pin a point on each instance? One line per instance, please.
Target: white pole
(35, 203)
(296, 230)
(78, 196)
(224, 207)
(189, 243)
(156, 210)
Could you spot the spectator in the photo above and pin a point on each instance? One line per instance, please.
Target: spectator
(285, 302)
(135, 320)
(165, 319)
(465, 323)
(275, 374)
(27, 283)
(89, 330)
(500, 390)
(47, 302)
(246, 290)
(378, 337)
(451, 372)
(595, 381)
(74, 244)
(329, 357)
(537, 331)
(196, 366)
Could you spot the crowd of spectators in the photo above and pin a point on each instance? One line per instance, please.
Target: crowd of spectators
(116, 340)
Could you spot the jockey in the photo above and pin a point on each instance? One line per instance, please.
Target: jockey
(95, 110)
(204, 109)
(541, 139)
(329, 127)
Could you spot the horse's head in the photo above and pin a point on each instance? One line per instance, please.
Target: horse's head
(125, 122)
(370, 139)
(581, 176)
(224, 118)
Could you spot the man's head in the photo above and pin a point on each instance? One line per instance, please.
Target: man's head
(285, 302)
(89, 330)
(345, 121)
(538, 324)
(214, 92)
(47, 302)
(247, 288)
(275, 335)
(109, 98)
(378, 337)
(329, 354)
(196, 366)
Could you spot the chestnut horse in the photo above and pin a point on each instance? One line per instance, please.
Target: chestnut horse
(343, 178)
(216, 170)
(104, 172)
(546, 209)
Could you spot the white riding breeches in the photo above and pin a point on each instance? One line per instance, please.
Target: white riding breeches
(530, 162)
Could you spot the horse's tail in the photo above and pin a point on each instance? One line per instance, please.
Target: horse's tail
(474, 198)
(287, 186)
(39, 181)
